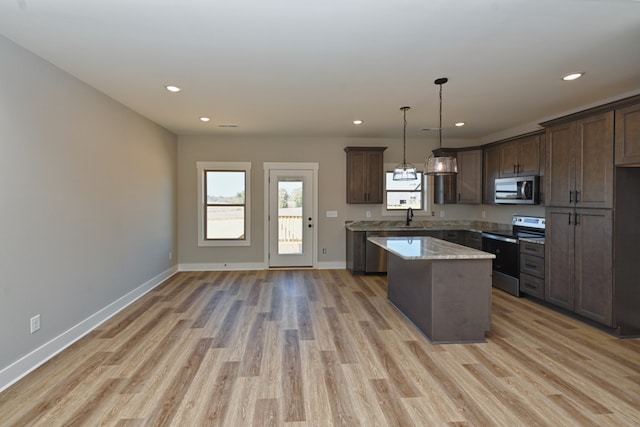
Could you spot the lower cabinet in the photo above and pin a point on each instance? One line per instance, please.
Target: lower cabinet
(579, 262)
(532, 269)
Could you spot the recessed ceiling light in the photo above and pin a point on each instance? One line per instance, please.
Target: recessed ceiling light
(460, 124)
(572, 76)
(357, 122)
(172, 88)
(204, 119)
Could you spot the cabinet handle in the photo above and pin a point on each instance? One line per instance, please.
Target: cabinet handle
(570, 197)
(459, 196)
(531, 266)
(514, 169)
(577, 221)
(577, 196)
(569, 218)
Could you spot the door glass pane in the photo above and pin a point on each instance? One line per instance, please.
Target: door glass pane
(290, 224)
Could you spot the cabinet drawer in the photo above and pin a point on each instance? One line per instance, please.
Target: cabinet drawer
(533, 286)
(532, 265)
(453, 236)
(535, 249)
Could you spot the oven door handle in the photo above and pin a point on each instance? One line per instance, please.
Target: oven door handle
(501, 238)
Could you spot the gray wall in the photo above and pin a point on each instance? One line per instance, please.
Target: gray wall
(88, 201)
(329, 153)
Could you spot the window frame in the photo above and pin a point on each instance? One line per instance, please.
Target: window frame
(427, 182)
(202, 169)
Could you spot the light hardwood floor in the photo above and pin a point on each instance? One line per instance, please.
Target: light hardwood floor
(323, 347)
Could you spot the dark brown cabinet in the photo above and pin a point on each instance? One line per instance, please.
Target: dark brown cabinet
(532, 269)
(518, 156)
(628, 136)
(521, 156)
(579, 262)
(579, 221)
(465, 187)
(490, 172)
(469, 179)
(365, 174)
(579, 163)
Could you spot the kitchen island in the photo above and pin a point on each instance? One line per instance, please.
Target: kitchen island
(442, 287)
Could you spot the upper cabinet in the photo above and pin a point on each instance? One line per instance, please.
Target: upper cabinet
(520, 156)
(628, 136)
(491, 171)
(579, 163)
(465, 187)
(469, 179)
(365, 174)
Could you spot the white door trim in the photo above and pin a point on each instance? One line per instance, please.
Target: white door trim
(293, 165)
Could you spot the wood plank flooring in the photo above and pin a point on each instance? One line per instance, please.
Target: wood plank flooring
(322, 347)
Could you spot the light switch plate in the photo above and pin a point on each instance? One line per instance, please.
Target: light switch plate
(332, 214)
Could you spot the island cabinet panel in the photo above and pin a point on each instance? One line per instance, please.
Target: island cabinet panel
(446, 311)
(365, 174)
(628, 136)
(579, 163)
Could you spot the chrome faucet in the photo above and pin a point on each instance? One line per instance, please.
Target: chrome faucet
(409, 216)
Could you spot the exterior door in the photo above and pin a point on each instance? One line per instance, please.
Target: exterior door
(291, 217)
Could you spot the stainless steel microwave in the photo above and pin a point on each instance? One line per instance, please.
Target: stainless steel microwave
(519, 190)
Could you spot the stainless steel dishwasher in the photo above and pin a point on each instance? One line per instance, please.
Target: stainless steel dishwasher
(375, 256)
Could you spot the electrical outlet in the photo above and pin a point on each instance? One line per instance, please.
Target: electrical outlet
(170, 255)
(35, 323)
(324, 251)
(484, 214)
(368, 214)
(441, 214)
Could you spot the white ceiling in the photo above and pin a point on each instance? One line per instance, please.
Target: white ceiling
(309, 68)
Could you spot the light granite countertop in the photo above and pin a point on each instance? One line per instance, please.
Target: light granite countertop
(427, 248)
(471, 225)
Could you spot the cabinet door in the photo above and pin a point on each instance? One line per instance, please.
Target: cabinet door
(375, 166)
(509, 159)
(628, 136)
(594, 162)
(365, 174)
(559, 257)
(357, 177)
(560, 165)
(490, 172)
(529, 155)
(594, 264)
(469, 180)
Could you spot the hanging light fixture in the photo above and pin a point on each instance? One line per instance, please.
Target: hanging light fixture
(439, 163)
(404, 171)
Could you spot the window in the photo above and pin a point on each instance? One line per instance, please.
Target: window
(223, 203)
(400, 195)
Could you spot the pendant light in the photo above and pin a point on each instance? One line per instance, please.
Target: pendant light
(441, 164)
(404, 171)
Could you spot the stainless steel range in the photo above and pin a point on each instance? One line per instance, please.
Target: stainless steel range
(504, 245)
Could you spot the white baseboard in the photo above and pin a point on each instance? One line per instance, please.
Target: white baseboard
(333, 265)
(222, 266)
(337, 265)
(37, 357)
